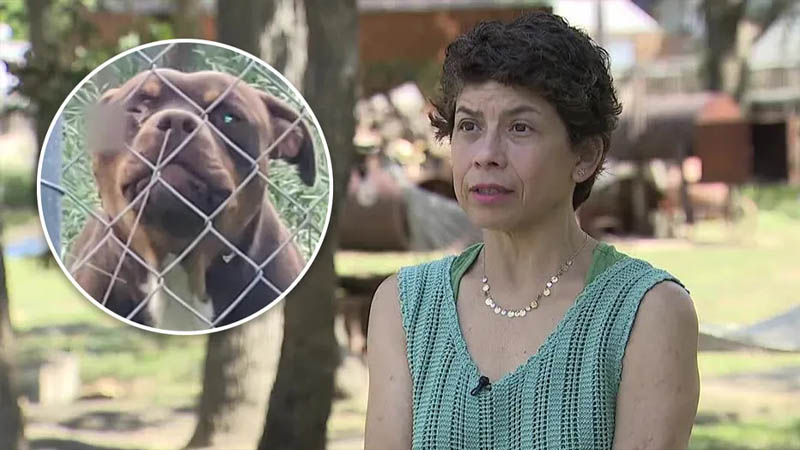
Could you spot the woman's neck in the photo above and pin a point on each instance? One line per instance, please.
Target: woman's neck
(524, 259)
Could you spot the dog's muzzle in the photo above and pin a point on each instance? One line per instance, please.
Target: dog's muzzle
(185, 184)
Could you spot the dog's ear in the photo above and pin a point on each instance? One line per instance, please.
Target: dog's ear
(296, 147)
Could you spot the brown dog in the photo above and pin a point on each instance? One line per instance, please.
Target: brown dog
(147, 119)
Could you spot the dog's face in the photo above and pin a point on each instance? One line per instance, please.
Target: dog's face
(210, 156)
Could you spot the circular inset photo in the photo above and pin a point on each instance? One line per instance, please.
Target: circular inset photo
(184, 186)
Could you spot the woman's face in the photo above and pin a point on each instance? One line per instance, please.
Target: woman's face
(512, 158)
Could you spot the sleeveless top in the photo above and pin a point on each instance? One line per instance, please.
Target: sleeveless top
(562, 397)
(604, 256)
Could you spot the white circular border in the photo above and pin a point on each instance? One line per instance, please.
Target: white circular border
(294, 92)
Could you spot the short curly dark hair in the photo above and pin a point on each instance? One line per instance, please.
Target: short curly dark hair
(542, 52)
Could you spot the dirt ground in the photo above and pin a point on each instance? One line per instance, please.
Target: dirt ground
(747, 395)
(107, 424)
(114, 424)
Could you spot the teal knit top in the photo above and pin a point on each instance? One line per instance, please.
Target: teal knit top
(563, 397)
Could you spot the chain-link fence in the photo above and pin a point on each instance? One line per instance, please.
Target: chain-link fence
(303, 209)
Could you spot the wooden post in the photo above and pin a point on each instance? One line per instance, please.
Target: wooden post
(639, 194)
(685, 200)
(793, 149)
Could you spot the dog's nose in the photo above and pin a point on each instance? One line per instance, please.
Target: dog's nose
(178, 125)
(181, 123)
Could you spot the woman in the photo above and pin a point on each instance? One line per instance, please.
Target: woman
(528, 340)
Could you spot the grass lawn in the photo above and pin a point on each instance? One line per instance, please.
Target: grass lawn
(780, 434)
(721, 364)
(748, 400)
(731, 282)
(151, 377)
(384, 263)
(50, 315)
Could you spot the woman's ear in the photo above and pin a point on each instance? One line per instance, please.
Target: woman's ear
(590, 156)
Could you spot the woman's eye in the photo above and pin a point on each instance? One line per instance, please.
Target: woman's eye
(520, 128)
(466, 126)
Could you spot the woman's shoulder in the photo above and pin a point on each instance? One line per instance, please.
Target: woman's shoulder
(393, 286)
(660, 289)
(609, 256)
(385, 307)
(425, 270)
(633, 275)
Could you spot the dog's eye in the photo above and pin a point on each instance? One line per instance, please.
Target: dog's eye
(229, 118)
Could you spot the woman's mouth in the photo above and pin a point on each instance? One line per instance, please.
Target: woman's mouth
(489, 193)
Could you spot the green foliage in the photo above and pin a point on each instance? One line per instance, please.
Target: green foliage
(287, 192)
(65, 48)
(60, 59)
(16, 189)
(780, 198)
(12, 12)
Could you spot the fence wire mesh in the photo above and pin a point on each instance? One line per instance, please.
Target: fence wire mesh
(305, 208)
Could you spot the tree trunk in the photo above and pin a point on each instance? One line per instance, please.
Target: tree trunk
(241, 26)
(185, 24)
(11, 423)
(274, 31)
(729, 35)
(300, 401)
(722, 66)
(38, 12)
(186, 19)
(240, 366)
(241, 363)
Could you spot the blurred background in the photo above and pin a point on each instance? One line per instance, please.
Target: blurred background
(703, 179)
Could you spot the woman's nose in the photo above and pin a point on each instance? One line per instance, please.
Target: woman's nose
(490, 151)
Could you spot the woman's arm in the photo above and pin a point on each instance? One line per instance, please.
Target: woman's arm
(660, 386)
(389, 404)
